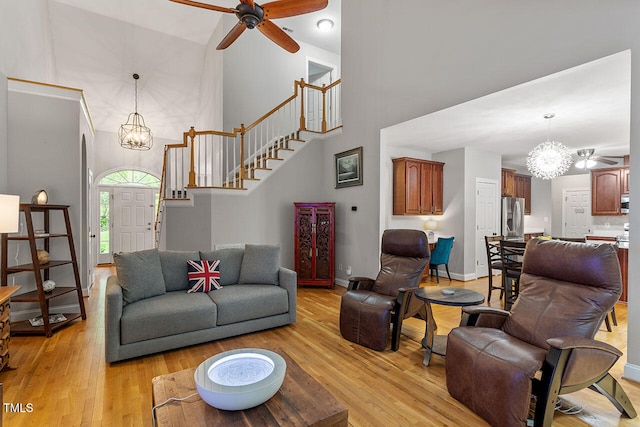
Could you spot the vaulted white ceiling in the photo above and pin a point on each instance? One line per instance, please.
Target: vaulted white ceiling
(99, 44)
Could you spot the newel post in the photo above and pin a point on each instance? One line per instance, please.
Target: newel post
(242, 171)
(192, 172)
(324, 108)
(303, 120)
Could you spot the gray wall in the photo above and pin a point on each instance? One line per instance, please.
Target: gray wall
(3, 133)
(466, 50)
(44, 135)
(255, 83)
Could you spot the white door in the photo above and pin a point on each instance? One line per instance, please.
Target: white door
(487, 214)
(132, 218)
(317, 75)
(576, 212)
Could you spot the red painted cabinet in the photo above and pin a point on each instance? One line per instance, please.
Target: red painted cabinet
(314, 245)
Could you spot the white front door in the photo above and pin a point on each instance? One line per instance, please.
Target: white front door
(487, 205)
(132, 218)
(576, 212)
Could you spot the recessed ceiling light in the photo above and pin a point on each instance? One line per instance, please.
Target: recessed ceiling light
(325, 25)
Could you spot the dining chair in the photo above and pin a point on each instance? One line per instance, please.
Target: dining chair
(440, 256)
(494, 262)
(511, 254)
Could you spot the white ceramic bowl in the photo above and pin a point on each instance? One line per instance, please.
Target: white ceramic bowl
(240, 379)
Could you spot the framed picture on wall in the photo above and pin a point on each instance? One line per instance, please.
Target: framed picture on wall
(349, 168)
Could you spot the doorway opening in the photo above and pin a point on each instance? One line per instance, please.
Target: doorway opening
(318, 74)
(127, 202)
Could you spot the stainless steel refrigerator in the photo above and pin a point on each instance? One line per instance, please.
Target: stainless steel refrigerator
(512, 218)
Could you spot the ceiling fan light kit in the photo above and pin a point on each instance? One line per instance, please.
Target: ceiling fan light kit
(252, 15)
(550, 159)
(134, 134)
(586, 159)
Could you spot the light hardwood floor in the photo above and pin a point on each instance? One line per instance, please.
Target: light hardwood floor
(66, 381)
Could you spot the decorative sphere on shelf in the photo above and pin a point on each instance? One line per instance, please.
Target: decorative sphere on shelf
(43, 256)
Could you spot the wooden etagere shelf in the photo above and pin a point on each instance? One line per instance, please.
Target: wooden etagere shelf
(41, 270)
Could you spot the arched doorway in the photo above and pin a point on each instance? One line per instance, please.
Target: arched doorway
(127, 203)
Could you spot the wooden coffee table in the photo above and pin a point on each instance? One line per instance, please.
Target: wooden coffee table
(433, 295)
(301, 401)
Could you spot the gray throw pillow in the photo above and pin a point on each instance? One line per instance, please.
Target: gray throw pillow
(260, 265)
(230, 262)
(139, 274)
(174, 269)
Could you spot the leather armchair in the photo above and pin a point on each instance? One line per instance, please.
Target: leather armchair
(369, 307)
(498, 362)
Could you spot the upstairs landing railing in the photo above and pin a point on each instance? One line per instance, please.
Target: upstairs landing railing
(226, 160)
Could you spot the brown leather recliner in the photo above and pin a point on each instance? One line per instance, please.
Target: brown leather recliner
(369, 307)
(500, 362)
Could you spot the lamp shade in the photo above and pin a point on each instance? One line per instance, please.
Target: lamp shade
(9, 213)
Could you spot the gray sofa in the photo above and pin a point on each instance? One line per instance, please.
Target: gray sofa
(148, 308)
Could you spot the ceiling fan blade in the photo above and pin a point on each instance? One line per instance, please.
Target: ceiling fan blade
(287, 8)
(249, 2)
(604, 160)
(278, 36)
(232, 36)
(206, 6)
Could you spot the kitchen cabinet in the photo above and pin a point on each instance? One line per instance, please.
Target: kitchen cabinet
(508, 182)
(624, 179)
(522, 188)
(606, 188)
(417, 187)
(314, 243)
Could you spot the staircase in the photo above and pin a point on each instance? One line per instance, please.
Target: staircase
(235, 163)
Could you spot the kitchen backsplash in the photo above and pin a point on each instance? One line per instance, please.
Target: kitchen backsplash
(612, 221)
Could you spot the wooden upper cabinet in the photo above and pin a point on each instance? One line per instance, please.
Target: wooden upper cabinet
(508, 182)
(522, 188)
(606, 188)
(624, 179)
(417, 187)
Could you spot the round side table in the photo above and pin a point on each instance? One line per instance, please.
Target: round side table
(461, 297)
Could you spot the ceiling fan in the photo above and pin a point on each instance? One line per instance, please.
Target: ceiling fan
(252, 15)
(587, 160)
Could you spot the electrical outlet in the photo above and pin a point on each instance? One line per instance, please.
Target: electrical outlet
(340, 267)
(348, 270)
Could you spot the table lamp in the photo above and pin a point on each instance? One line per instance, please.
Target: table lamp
(430, 226)
(9, 213)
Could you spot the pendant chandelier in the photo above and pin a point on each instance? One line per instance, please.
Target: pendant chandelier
(134, 134)
(549, 159)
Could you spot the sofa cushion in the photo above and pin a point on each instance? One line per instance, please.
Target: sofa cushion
(248, 302)
(169, 314)
(139, 274)
(260, 265)
(174, 268)
(204, 275)
(230, 262)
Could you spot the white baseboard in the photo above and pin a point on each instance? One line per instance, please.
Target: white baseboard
(631, 372)
(342, 282)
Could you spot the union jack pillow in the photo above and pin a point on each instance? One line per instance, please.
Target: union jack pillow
(204, 276)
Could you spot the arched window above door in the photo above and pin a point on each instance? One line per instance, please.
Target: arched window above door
(130, 177)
